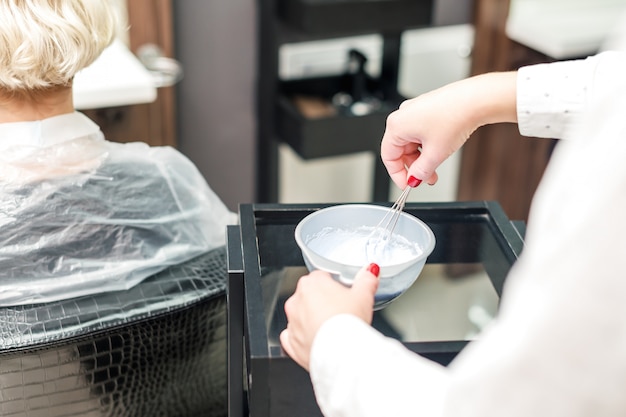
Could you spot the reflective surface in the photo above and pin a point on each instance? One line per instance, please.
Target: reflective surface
(441, 305)
(456, 295)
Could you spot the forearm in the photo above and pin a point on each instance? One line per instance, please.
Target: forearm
(470, 103)
(426, 130)
(492, 98)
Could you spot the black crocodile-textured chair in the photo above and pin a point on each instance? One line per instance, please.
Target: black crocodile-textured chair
(157, 349)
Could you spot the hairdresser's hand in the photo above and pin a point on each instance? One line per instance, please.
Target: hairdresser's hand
(317, 298)
(426, 130)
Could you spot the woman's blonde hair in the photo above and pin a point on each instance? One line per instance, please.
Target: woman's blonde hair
(44, 43)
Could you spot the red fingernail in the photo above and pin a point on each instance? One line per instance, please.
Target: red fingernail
(413, 182)
(374, 269)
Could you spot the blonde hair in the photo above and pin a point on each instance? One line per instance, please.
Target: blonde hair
(44, 43)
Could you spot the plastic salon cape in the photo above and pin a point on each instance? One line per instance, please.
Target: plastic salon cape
(80, 215)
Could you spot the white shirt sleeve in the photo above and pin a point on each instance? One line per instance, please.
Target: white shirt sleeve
(558, 345)
(356, 371)
(552, 97)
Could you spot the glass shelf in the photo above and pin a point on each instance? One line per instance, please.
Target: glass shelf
(454, 297)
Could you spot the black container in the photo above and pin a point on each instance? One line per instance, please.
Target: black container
(265, 262)
(334, 134)
(324, 16)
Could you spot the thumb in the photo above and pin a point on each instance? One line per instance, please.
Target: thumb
(424, 169)
(366, 281)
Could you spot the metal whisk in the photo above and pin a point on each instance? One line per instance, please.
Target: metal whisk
(383, 231)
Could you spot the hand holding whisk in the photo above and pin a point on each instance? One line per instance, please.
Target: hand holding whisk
(381, 235)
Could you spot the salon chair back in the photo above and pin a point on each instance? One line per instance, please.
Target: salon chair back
(157, 349)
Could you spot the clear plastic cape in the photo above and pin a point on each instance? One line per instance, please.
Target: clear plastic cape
(87, 216)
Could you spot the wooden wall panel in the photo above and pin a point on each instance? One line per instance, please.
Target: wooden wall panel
(497, 162)
(150, 21)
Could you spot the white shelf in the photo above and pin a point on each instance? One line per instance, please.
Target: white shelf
(563, 29)
(116, 78)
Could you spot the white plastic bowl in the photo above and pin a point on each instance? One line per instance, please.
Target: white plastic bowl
(395, 278)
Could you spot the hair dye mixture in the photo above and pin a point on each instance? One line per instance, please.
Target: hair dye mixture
(354, 247)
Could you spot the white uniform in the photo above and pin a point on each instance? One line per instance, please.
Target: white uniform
(558, 345)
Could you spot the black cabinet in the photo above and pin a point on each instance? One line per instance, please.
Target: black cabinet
(280, 118)
(265, 263)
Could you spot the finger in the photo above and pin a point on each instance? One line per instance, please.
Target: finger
(393, 159)
(433, 179)
(423, 168)
(405, 103)
(287, 307)
(366, 281)
(285, 342)
(430, 181)
(398, 177)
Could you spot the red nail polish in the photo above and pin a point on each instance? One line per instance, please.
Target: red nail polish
(374, 269)
(413, 182)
